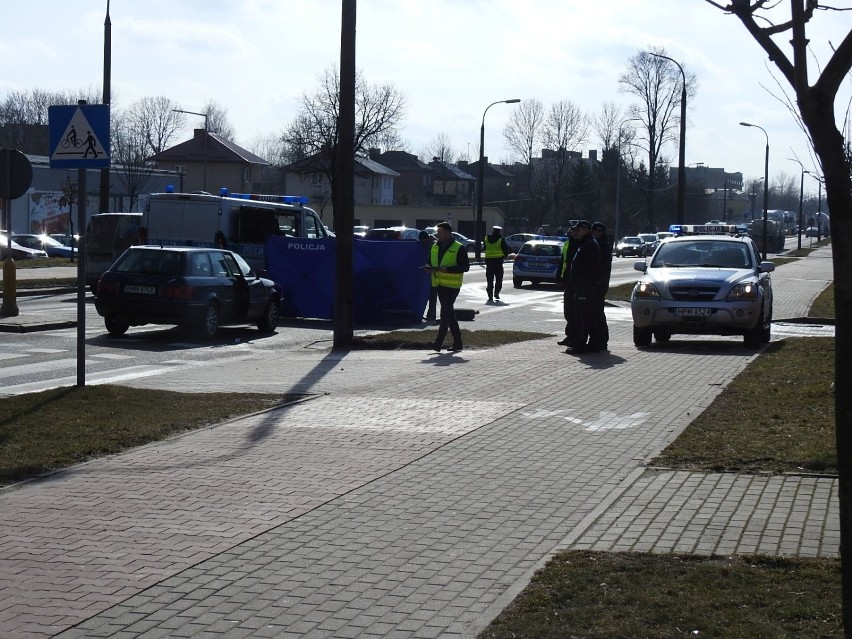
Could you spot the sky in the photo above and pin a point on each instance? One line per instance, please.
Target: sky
(451, 59)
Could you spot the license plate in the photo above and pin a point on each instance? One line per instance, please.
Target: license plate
(536, 265)
(693, 312)
(144, 290)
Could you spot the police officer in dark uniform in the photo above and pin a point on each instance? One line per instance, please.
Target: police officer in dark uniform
(584, 281)
(496, 250)
(569, 248)
(599, 335)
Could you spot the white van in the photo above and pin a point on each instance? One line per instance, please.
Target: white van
(239, 222)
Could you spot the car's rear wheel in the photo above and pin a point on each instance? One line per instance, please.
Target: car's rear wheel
(115, 325)
(209, 324)
(269, 321)
(641, 336)
(517, 282)
(662, 335)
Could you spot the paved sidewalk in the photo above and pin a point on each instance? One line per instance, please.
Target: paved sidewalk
(412, 497)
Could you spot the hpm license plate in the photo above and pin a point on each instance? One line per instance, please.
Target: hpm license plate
(144, 290)
(693, 312)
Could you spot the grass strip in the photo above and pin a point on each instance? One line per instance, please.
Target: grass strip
(597, 595)
(823, 305)
(775, 416)
(53, 429)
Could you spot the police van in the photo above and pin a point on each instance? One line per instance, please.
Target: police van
(240, 222)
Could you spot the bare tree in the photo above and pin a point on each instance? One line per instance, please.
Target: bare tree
(441, 147)
(156, 119)
(130, 149)
(524, 134)
(314, 132)
(815, 107)
(656, 82)
(566, 127)
(217, 120)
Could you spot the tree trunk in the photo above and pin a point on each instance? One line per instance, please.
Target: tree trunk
(818, 115)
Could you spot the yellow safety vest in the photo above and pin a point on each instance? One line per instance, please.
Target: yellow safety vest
(493, 248)
(450, 258)
(564, 253)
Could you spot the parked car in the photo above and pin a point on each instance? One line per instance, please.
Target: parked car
(630, 245)
(66, 239)
(537, 261)
(466, 241)
(199, 289)
(517, 240)
(650, 242)
(18, 252)
(53, 248)
(392, 233)
(812, 231)
(703, 284)
(663, 235)
(360, 230)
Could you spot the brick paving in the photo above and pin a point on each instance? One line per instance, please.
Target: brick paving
(413, 497)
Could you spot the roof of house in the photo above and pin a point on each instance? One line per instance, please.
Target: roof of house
(402, 161)
(448, 171)
(318, 163)
(218, 150)
(490, 170)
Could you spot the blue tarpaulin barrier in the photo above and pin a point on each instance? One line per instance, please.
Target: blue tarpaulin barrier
(388, 281)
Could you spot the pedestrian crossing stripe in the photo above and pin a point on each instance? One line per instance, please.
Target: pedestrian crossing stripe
(79, 140)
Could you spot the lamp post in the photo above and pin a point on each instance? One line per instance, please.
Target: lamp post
(681, 169)
(206, 134)
(477, 232)
(765, 184)
(801, 199)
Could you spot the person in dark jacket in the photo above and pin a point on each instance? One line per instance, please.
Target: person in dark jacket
(496, 250)
(599, 334)
(583, 278)
(569, 247)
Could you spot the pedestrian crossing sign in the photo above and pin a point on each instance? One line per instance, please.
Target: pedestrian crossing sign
(79, 136)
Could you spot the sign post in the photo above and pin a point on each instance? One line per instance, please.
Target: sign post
(79, 139)
(16, 175)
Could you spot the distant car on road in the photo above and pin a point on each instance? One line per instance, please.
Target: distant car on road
(537, 261)
(198, 289)
(360, 230)
(18, 251)
(650, 241)
(51, 246)
(703, 285)
(630, 245)
(517, 240)
(812, 231)
(392, 233)
(466, 241)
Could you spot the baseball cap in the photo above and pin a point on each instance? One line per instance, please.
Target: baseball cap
(582, 224)
(497, 228)
(598, 226)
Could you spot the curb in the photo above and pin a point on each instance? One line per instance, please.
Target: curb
(22, 327)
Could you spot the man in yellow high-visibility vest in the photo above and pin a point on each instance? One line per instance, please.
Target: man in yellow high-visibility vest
(496, 250)
(448, 262)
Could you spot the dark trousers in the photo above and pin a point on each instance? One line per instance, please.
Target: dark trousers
(493, 276)
(447, 296)
(599, 333)
(568, 308)
(431, 312)
(582, 318)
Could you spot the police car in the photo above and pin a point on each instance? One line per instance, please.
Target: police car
(700, 285)
(537, 261)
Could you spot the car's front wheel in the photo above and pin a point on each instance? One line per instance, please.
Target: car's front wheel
(209, 324)
(642, 336)
(115, 325)
(754, 338)
(269, 321)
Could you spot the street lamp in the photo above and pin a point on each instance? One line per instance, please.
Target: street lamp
(477, 232)
(206, 134)
(681, 169)
(765, 184)
(801, 199)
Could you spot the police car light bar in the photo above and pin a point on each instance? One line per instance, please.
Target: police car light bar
(261, 197)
